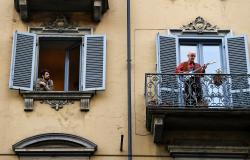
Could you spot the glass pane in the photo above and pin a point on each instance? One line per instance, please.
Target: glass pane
(213, 94)
(212, 53)
(184, 49)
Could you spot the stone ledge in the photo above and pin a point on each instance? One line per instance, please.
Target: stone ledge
(27, 7)
(57, 99)
(208, 151)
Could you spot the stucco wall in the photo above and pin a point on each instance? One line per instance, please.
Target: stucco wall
(106, 120)
(149, 18)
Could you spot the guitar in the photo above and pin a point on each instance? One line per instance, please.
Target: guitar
(194, 71)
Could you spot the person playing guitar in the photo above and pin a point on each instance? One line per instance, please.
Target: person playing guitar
(192, 85)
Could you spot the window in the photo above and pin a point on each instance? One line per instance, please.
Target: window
(206, 50)
(65, 70)
(77, 63)
(229, 52)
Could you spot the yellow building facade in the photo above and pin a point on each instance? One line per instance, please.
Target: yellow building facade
(107, 117)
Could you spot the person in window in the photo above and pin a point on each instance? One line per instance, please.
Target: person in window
(44, 83)
(192, 85)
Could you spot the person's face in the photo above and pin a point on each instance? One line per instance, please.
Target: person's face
(46, 76)
(191, 56)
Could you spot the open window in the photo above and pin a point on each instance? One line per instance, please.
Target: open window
(76, 63)
(206, 50)
(230, 54)
(62, 58)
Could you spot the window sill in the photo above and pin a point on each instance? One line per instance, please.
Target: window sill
(57, 99)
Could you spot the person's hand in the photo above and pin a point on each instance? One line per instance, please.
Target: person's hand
(204, 66)
(42, 83)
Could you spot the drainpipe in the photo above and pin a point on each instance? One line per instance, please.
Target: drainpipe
(129, 81)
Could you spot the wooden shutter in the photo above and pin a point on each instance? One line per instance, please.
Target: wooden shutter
(166, 54)
(166, 64)
(94, 62)
(22, 62)
(237, 53)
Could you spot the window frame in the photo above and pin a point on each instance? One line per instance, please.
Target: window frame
(57, 99)
(67, 65)
(220, 38)
(221, 35)
(78, 32)
(194, 41)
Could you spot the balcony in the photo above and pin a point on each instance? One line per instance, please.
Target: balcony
(209, 110)
(96, 7)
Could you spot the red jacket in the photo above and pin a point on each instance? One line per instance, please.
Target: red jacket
(186, 66)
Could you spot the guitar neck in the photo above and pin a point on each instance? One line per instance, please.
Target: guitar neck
(199, 68)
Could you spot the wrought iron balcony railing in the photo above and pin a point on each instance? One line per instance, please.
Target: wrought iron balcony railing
(198, 90)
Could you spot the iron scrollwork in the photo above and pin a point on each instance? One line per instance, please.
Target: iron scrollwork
(196, 90)
(57, 104)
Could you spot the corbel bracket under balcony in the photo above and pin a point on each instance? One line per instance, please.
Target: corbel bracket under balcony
(57, 99)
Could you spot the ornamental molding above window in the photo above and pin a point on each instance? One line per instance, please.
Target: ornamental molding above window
(60, 24)
(55, 144)
(199, 25)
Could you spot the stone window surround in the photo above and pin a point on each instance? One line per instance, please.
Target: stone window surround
(54, 146)
(57, 99)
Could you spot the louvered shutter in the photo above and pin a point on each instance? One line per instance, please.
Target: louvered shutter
(166, 64)
(22, 62)
(94, 62)
(238, 64)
